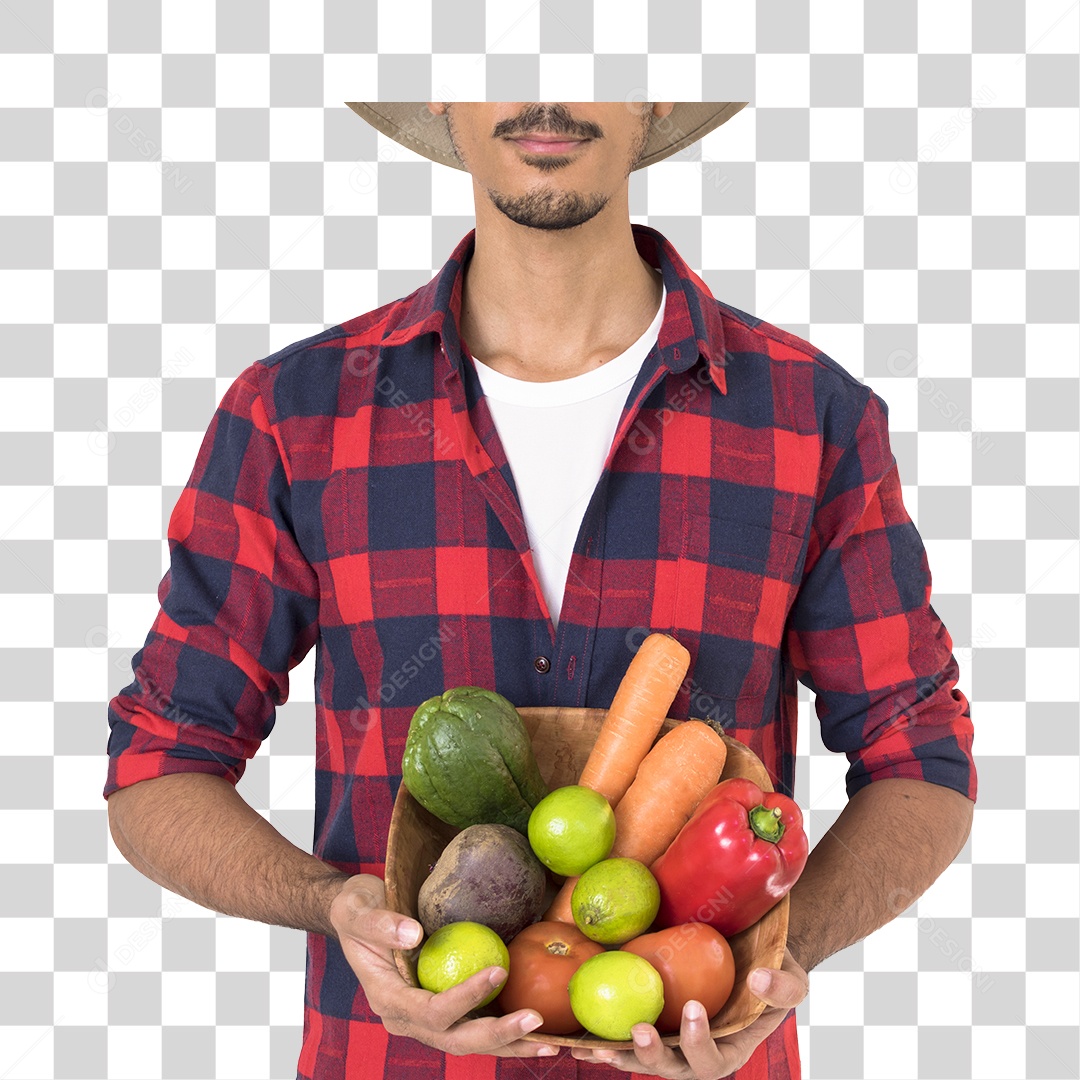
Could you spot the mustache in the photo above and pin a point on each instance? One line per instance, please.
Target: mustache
(547, 119)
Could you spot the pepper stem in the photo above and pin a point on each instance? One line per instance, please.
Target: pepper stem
(766, 823)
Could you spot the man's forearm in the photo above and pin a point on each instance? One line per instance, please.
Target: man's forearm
(889, 844)
(194, 834)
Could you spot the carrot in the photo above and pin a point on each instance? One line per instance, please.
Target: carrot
(560, 910)
(636, 715)
(677, 773)
(632, 723)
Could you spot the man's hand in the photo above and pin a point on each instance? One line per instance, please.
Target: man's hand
(698, 1057)
(368, 933)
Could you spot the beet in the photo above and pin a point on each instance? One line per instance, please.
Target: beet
(487, 874)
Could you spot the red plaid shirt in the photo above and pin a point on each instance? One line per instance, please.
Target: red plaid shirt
(351, 493)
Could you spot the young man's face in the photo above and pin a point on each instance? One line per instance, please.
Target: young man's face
(580, 155)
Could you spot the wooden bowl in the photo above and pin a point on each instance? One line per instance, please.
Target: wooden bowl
(562, 739)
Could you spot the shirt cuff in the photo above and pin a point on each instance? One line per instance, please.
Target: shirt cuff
(919, 749)
(136, 754)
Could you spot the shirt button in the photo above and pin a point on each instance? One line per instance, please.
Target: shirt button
(542, 664)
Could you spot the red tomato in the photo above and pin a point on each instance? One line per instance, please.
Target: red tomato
(542, 959)
(694, 962)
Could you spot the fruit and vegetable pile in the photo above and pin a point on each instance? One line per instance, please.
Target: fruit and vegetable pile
(663, 862)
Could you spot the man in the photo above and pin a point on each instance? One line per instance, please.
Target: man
(507, 478)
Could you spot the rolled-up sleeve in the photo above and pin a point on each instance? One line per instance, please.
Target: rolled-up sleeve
(238, 609)
(862, 633)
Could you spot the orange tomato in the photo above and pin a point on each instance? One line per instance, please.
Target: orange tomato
(542, 959)
(695, 963)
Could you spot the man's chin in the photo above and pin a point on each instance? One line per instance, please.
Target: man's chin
(549, 218)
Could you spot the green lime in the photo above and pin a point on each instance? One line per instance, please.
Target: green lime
(615, 900)
(572, 829)
(613, 991)
(456, 951)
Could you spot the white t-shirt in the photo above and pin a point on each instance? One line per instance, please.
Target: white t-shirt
(557, 436)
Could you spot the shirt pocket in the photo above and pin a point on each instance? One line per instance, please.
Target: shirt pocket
(733, 587)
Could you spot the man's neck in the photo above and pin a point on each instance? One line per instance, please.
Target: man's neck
(543, 305)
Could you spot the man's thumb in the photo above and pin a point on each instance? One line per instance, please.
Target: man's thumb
(367, 919)
(775, 987)
(407, 933)
(383, 929)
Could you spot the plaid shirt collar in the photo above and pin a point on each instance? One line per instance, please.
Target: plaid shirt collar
(692, 324)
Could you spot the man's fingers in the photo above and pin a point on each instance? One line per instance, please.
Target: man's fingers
(486, 1034)
(700, 1049)
(652, 1053)
(493, 1035)
(448, 1007)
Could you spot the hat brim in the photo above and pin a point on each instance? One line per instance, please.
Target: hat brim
(414, 125)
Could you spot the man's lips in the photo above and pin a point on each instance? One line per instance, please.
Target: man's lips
(544, 144)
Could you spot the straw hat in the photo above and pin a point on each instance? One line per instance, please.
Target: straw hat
(412, 124)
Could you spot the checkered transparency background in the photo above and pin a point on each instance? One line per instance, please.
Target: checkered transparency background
(184, 192)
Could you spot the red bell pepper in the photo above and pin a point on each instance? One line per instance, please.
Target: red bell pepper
(736, 858)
